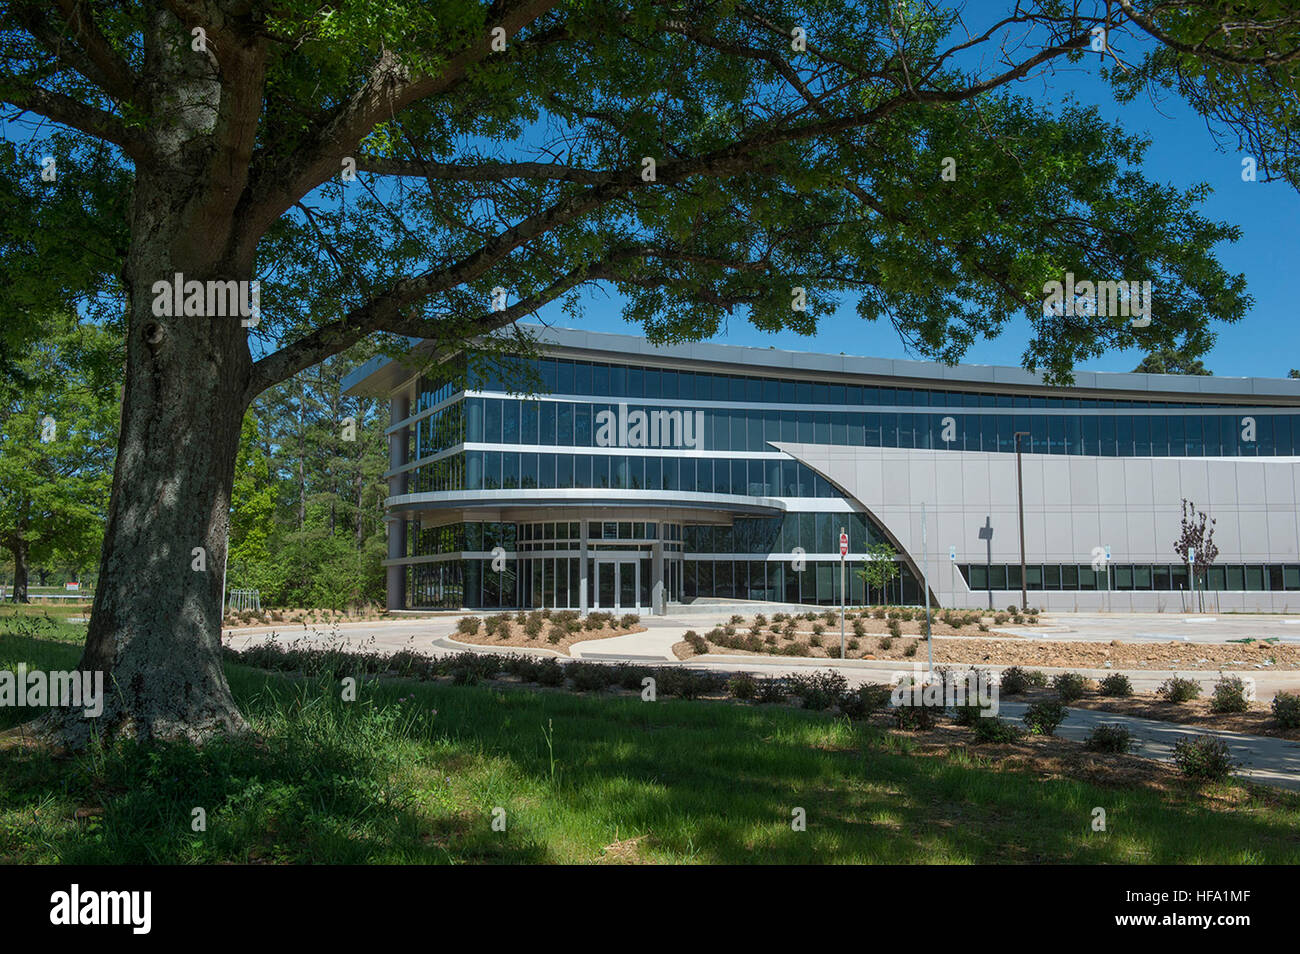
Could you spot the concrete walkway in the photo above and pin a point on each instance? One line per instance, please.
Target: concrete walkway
(1264, 759)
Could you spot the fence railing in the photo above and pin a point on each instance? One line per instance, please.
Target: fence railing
(244, 600)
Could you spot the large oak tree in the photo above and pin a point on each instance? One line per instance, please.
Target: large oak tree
(876, 151)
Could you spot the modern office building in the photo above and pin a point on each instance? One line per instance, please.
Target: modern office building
(611, 473)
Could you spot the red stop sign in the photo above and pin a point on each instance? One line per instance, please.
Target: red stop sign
(844, 544)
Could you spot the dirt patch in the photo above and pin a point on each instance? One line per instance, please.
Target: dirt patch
(999, 650)
(557, 631)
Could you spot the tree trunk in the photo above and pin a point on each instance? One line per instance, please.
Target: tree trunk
(155, 627)
(20, 573)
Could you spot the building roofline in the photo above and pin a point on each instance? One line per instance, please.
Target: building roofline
(596, 344)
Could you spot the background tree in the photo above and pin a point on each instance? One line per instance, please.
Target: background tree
(879, 569)
(770, 156)
(1172, 361)
(1196, 537)
(58, 427)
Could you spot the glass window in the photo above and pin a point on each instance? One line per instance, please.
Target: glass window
(492, 421)
(543, 432)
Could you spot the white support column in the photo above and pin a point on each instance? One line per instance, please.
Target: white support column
(584, 598)
(398, 443)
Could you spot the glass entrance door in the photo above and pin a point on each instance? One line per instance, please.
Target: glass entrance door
(617, 584)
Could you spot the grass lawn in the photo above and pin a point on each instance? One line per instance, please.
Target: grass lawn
(581, 778)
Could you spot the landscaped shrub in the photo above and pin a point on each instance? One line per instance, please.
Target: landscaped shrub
(996, 731)
(1109, 738)
(918, 715)
(859, 628)
(737, 620)
(1069, 686)
(910, 649)
(549, 672)
(999, 618)
(886, 642)
(818, 690)
(742, 686)
(1229, 695)
(468, 625)
(1204, 758)
(556, 633)
(686, 683)
(854, 643)
(1116, 684)
(1042, 718)
(589, 677)
(818, 629)
(533, 627)
(1015, 680)
(629, 620)
(1177, 689)
(770, 690)
(861, 702)
(967, 714)
(1286, 710)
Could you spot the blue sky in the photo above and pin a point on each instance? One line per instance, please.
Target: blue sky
(1182, 152)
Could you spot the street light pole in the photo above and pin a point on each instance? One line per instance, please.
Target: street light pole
(1020, 496)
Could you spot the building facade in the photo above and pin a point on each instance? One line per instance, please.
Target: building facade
(608, 473)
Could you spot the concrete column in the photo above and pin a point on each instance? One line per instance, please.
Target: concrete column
(398, 444)
(583, 596)
(657, 601)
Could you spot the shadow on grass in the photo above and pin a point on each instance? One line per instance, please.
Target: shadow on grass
(388, 779)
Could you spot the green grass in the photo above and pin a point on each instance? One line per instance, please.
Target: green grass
(385, 779)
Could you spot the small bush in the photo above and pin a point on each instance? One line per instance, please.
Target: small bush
(999, 618)
(1286, 710)
(1013, 609)
(967, 714)
(629, 620)
(468, 625)
(1015, 680)
(589, 677)
(742, 686)
(866, 699)
(1042, 718)
(770, 690)
(886, 642)
(917, 715)
(1229, 695)
(737, 620)
(534, 625)
(818, 690)
(556, 634)
(1109, 738)
(1069, 686)
(1203, 758)
(1177, 689)
(910, 649)
(996, 731)
(1116, 684)
(854, 643)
